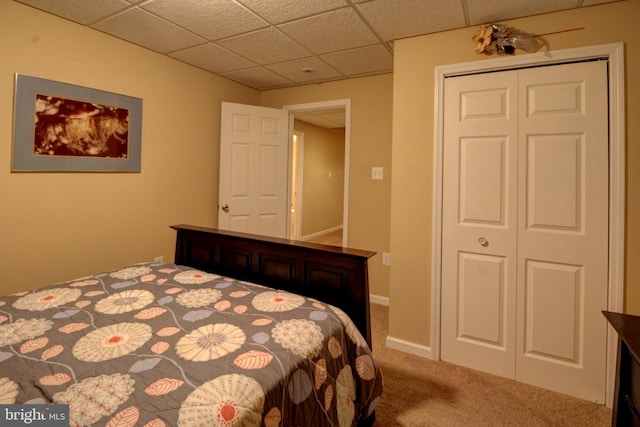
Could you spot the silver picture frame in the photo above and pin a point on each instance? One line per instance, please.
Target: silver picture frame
(61, 127)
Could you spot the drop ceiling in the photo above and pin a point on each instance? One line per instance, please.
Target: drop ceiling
(268, 44)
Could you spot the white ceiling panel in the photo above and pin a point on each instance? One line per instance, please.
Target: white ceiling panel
(395, 19)
(333, 118)
(489, 11)
(80, 11)
(305, 70)
(279, 11)
(361, 61)
(230, 17)
(258, 77)
(265, 44)
(212, 57)
(147, 30)
(594, 2)
(332, 31)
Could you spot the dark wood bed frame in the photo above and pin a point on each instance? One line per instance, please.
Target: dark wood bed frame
(335, 275)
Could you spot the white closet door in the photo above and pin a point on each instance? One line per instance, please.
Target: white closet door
(563, 228)
(480, 222)
(525, 203)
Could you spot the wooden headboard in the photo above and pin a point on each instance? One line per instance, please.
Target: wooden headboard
(334, 275)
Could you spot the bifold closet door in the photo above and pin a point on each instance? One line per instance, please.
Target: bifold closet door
(480, 222)
(563, 201)
(525, 238)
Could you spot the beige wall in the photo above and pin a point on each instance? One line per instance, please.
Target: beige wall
(369, 201)
(413, 132)
(323, 178)
(58, 226)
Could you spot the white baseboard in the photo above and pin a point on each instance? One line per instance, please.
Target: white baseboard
(409, 347)
(321, 233)
(398, 344)
(377, 299)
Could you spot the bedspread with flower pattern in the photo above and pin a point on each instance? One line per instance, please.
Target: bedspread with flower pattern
(165, 345)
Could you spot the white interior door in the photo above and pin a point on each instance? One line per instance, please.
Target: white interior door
(563, 228)
(253, 186)
(525, 226)
(479, 222)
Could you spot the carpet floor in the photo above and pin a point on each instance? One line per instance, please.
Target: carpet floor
(421, 392)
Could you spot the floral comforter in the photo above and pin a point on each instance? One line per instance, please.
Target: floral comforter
(165, 345)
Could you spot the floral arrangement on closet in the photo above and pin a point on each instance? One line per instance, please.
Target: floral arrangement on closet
(504, 40)
(498, 38)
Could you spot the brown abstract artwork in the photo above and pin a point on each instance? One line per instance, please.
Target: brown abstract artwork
(65, 127)
(62, 127)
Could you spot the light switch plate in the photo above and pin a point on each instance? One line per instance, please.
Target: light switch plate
(377, 172)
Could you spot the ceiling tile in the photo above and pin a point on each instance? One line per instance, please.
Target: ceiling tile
(279, 11)
(212, 58)
(337, 30)
(212, 20)
(241, 38)
(258, 78)
(293, 70)
(266, 46)
(147, 30)
(333, 118)
(394, 19)
(365, 60)
(594, 2)
(493, 11)
(81, 11)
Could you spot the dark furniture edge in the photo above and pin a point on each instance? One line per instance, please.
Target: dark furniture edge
(347, 252)
(626, 400)
(335, 275)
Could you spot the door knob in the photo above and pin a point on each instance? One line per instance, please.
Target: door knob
(483, 242)
(225, 207)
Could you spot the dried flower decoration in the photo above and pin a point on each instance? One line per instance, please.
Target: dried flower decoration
(498, 38)
(483, 38)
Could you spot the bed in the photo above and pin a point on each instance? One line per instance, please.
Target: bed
(240, 330)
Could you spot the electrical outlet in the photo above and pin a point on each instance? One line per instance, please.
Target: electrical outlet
(159, 259)
(386, 258)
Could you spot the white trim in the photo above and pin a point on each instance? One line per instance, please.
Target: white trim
(614, 52)
(378, 299)
(409, 347)
(321, 233)
(617, 197)
(337, 103)
(299, 181)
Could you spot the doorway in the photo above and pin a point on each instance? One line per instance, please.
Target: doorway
(297, 153)
(333, 116)
(257, 197)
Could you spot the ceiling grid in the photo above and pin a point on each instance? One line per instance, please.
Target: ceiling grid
(269, 44)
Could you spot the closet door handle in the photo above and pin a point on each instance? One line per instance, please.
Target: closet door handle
(225, 207)
(483, 242)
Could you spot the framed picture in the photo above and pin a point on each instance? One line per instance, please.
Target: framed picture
(60, 127)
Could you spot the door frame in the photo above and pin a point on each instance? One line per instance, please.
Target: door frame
(323, 105)
(297, 172)
(614, 53)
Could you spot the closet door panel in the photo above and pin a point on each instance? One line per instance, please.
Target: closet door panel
(563, 228)
(480, 223)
